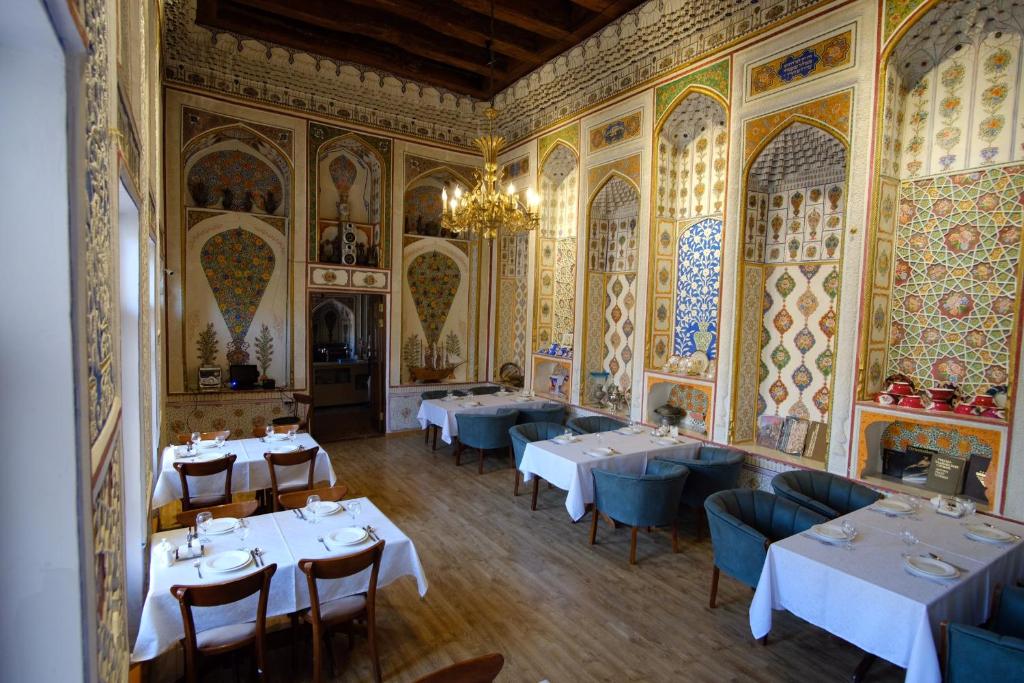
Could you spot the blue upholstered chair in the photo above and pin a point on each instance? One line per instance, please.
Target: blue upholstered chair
(594, 423)
(994, 652)
(825, 493)
(432, 428)
(716, 468)
(480, 391)
(484, 432)
(651, 499)
(743, 523)
(549, 412)
(522, 434)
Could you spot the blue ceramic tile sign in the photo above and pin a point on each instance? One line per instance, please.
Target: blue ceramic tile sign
(800, 65)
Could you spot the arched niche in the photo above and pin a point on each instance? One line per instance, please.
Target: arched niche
(349, 177)
(794, 222)
(555, 286)
(609, 332)
(943, 265)
(333, 323)
(236, 169)
(422, 206)
(686, 250)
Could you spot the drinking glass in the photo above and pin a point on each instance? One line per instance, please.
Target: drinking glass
(567, 433)
(242, 531)
(291, 432)
(448, 395)
(203, 520)
(967, 505)
(270, 431)
(221, 438)
(908, 537)
(851, 533)
(196, 438)
(354, 509)
(313, 508)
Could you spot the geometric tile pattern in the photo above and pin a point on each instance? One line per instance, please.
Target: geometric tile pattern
(748, 353)
(956, 290)
(950, 440)
(697, 281)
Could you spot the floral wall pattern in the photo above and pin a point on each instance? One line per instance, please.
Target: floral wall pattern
(555, 289)
(510, 333)
(433, 281)
(697, 288)
(955, 283)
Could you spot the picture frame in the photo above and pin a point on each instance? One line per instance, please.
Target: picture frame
(210, 378)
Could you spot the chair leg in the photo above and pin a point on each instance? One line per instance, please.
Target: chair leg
(371, 635)
(675, 536)
(536, 487)
(480, 466)
(458, 453)
(426, 435)
(632, 544)
(593, 527)
(515, 489)
(436, 430)
(714, 586)
(318, 644)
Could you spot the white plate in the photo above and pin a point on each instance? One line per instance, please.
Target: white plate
(930, 568)
(565, 439)
(891, 506)
(471, 404)
(202, 457)
(285, 448)
(666, 441)
(227, 561)
(522, 399)
(221, 525)
(208, 443)
(699, 362)
(830, 533)
(602, 452)
(503, 393)
(276, 437)
(328, 507)
(350, 535)
(988, 534)
(628, 431)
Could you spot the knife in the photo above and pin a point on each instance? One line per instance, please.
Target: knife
(299, 510)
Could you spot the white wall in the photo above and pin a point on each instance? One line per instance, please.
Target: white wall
(40, 493)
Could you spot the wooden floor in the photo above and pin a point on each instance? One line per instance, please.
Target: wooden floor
(529, 586)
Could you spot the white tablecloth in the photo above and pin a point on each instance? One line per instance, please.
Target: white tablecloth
(441, 412)
(568, 467)
(867, 598)
(284, 539)
(250, 472)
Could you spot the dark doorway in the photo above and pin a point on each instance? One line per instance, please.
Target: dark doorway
(346, 333)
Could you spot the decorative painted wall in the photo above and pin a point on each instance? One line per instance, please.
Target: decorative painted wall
(809, 61)
(615, 131)
(510, 339)
(555, 288)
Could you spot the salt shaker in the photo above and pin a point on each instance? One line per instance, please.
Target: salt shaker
(165, 553)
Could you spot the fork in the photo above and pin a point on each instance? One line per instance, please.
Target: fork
(372, 532)
(258, 552)
(198, 569)
(321, 539)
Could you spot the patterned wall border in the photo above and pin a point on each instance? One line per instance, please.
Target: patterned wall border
(340, 277)
(831, 112)
(714, 77)
(318, 135)
(894, 12)
(628, 167)
(809, 61)
(615, 131)
(569, 135)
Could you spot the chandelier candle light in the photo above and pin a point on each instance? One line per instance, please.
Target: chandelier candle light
(486, 209)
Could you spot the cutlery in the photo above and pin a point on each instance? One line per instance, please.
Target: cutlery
(295, 512)
(321, 539)
(301, 516)
(991, 526)
(370, 530)
(198, 570)
(936, 557)
(259, 555)
(188, 538)
(255, 560)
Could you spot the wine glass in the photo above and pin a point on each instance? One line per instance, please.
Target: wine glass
(354, 509)
(291, 432)
(242, 531)
(203, 520)
(313, 508)
(221, 438)
(967, 505)
(908, 537)
(195, 439)
(269, 430)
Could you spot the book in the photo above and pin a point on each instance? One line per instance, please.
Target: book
(974, 480)
(816, 443)
(769, 431)
(794, 434)
(946, 474)
(894, 462)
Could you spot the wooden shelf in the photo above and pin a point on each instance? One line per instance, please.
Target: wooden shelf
(932, 414)
(773, 454)
(896, 485)
(688, 379)
(558, 360)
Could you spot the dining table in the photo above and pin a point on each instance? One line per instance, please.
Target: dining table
(250, 471)
(283, 538)
(866, 591)
(568, 465)
(441, 411)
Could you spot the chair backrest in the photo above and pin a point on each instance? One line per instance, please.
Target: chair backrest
(977, 655)
(306, 417)
(224, 593)
(339, 568)
(246, 508)
(480, 391)
(437, 393)
(479, 670)
(481, 430)
(825, 493)
(522, 434)
(297, 499)
(549, 412)
(1009, 612)
(205, 436)
(305, 456)
(208, 468)
(715, 469)
(594, 423)
(651, 499)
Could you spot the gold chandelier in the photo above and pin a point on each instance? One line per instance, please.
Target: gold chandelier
(485, 210)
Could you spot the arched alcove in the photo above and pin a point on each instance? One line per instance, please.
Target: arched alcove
(610, 290)
(332, 322)
(686, 245)
(794, 222)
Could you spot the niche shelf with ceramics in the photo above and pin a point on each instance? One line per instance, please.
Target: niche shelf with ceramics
(686, 253)
(552, 377)
(609, 306)
(555, 285)
(942, 296)
(793, 218)
(348, 200)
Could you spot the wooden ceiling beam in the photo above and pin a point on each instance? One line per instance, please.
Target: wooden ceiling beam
(599, 6)
(227, 16)
(363, 22)
(549, 18)
(462, 25)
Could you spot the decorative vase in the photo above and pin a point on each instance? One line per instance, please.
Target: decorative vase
(343, 211)
(702, 337)
(227, 198)
(270, 202)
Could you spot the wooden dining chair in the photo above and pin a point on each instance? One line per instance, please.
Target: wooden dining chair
(185, 439)
(297, 499)
(260, 432)
(231, 637)
(209, 468)
(246, 508)
(324, 618)
(305, 414)
(301, 457)
(479, 670)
